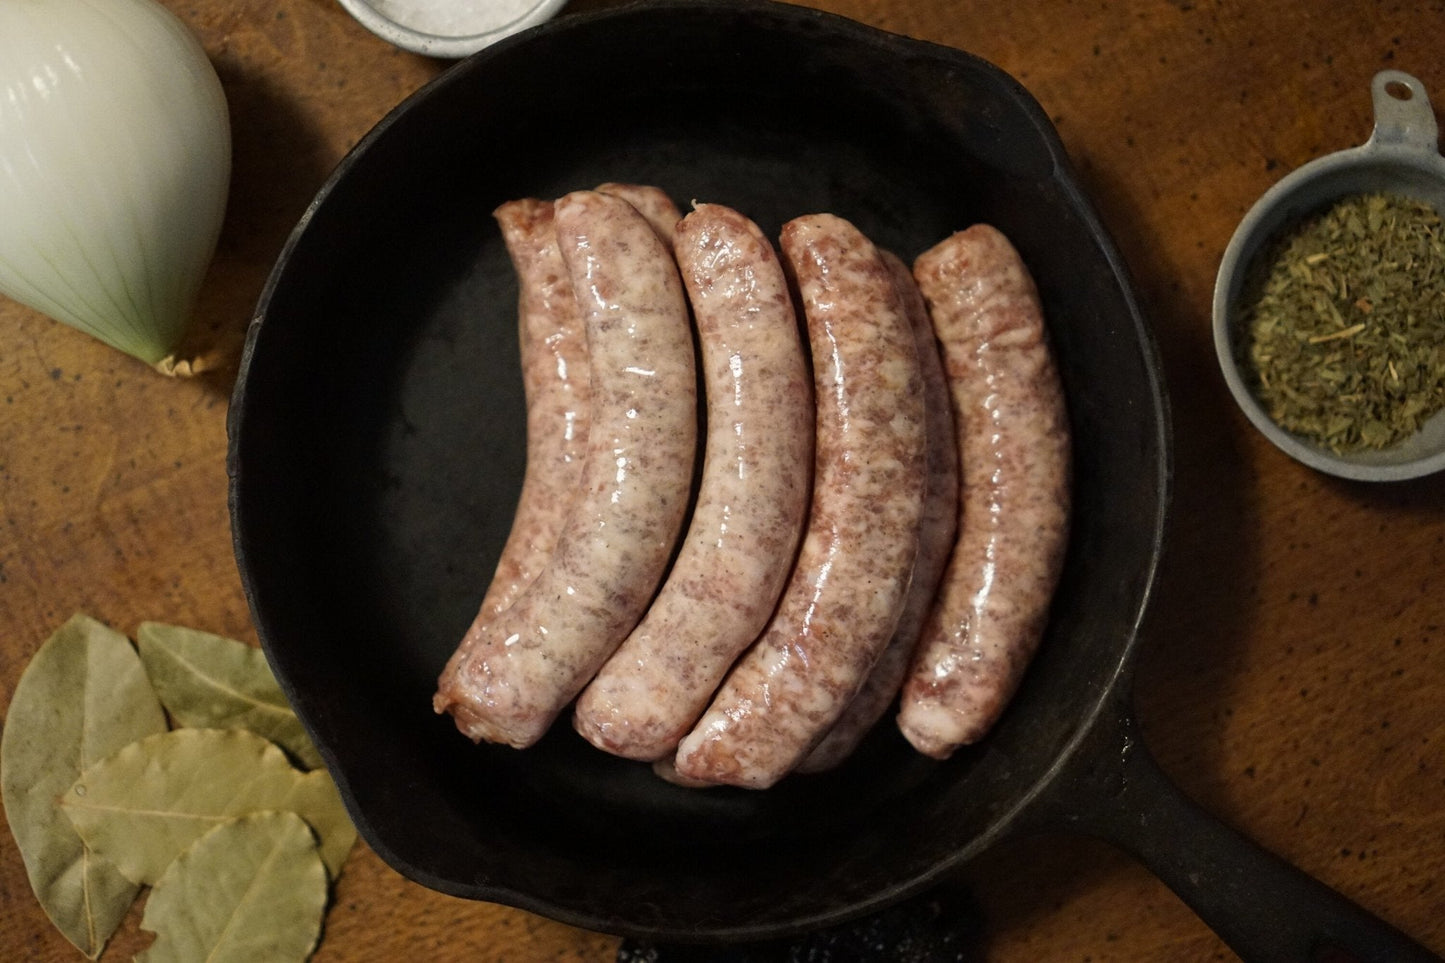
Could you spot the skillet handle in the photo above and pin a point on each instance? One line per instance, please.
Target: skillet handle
(1265, 909)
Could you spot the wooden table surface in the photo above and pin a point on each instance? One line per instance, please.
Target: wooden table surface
(1294, 663)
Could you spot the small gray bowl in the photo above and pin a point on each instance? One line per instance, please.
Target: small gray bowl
(1402, 157)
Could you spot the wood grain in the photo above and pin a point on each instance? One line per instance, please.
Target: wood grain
(1294, 658)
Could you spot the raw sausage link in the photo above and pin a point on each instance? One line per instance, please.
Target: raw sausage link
(510, 677)
(1015, 462)
(555, 382)
(751, 501)
(846, 590)
(651, 202)
(935, 541)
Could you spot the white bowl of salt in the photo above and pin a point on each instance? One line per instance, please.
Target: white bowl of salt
(449, 28)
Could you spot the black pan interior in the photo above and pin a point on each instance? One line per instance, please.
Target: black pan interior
(377, 450)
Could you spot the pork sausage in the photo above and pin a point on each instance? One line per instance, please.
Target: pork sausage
(935, 541)
(556, 386)
(1015, 464)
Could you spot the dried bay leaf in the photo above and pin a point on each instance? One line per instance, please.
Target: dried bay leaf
(149, 801)
(209, 681)
(83, 695)
(253, 889)
(316, 799)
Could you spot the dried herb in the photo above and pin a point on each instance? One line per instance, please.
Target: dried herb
(212, 682)
(82, 697)
(251, 890)
(102, 798)
(1343, 323)
(141, 806)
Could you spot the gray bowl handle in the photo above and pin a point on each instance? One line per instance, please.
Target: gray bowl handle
(1403, 115)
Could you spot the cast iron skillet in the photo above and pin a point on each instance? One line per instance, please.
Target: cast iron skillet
(376, 453)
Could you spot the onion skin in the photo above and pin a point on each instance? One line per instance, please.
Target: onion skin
(115, 163)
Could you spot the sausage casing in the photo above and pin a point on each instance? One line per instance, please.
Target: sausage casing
(512, 675)
(751, 500)
(1015, 464)
(844, 595)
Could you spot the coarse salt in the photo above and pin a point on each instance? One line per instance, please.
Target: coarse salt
(457, 18)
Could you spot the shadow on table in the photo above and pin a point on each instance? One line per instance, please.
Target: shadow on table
(278, 163)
